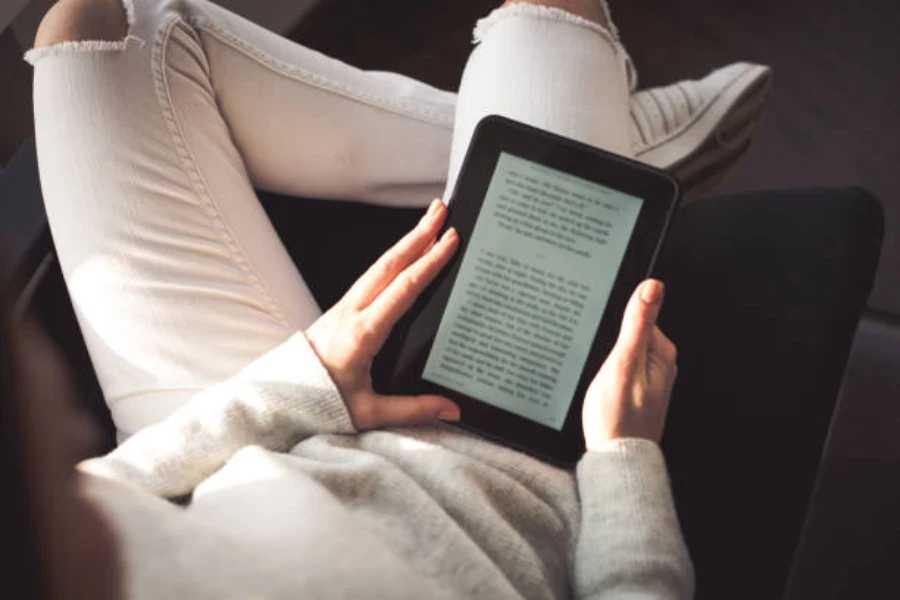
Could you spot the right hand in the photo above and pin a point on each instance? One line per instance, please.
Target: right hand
(629, 397)
(348, 336)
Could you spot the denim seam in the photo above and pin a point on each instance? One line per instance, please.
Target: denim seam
(296, 73)
(163, 92)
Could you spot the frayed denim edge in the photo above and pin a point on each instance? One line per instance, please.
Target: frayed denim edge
(552, 13)
(545, 12)
(36, 54)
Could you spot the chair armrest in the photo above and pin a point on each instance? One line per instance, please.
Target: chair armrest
(34, 280)
(24, 231)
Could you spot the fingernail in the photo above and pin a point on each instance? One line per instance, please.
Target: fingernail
(448, 415)
(448, 236)
(435, 205)
(428, 213)
(652, 291)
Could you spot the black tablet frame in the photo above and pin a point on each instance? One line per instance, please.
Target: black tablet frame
(493, 135)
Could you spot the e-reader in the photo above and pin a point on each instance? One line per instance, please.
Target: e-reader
(554, 237)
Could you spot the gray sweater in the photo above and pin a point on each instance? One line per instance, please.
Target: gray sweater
(288, 501)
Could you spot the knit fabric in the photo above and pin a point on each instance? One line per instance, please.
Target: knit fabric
(285, 500)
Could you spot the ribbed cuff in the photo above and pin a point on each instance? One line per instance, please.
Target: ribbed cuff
(324, 397)
(631, 468)
(629, 525)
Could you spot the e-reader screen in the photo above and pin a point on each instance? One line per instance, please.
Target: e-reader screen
(531, 289)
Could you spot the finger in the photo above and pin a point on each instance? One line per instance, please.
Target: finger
(428, 248)
(670, 376)
(384, 312)
(397, 258)
(399, 411)
(662, 357)
(639, 321)
(661, 345)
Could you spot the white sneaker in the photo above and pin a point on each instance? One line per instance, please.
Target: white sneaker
(697, 130)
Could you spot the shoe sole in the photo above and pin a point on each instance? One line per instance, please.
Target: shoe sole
(702, 154)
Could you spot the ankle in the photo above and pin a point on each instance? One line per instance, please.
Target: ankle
(592, 10)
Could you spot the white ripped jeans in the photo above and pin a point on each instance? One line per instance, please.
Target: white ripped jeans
(150, 150)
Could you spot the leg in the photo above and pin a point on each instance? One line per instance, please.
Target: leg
(563, 71)
(576, 78)
(764, 295)
(149, 147)
(175, 272)
(557, 70)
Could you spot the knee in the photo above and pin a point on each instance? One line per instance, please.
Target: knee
(82, 20)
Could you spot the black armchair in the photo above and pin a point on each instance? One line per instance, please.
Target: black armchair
(764, 294)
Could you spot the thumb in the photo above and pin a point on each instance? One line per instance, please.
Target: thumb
(399, 411)
(639, 319)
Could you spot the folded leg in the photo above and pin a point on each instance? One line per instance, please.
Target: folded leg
(150, 147)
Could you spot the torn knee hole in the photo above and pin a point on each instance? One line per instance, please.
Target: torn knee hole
(88, 23)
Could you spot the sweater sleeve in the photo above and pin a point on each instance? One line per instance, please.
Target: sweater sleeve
(276, 401)
(630, 544)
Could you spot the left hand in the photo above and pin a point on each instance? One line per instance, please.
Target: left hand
(350, 334)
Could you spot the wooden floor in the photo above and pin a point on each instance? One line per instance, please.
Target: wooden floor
(832, 121)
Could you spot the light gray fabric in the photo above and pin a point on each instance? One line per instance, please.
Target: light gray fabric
(288, 501)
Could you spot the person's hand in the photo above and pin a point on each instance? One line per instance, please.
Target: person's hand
(347, 337)
(629, 397)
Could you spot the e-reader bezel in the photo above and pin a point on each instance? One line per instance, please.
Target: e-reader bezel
(494, 135)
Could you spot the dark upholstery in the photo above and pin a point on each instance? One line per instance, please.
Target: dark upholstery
(24, 238)
(764, 292)
(764, 295)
